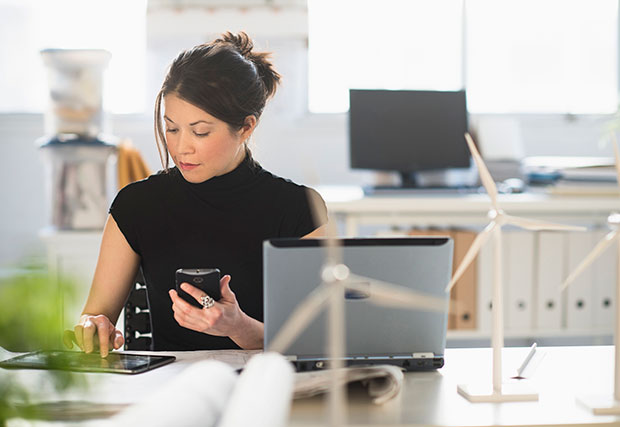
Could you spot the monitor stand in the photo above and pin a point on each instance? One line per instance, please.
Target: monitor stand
(410, 184)
(409, 180)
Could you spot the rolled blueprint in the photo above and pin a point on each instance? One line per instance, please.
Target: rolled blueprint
(196, 397)
(262, 395)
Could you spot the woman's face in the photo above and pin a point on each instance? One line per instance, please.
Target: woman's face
(200, 145)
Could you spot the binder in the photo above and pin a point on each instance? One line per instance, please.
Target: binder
(519, 277)
(550, 266)
(465, 310)
(579, 295)
(605, 273)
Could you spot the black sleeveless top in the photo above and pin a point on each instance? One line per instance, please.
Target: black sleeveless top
(220, 223)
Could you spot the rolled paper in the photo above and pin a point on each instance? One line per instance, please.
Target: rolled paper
(262, 395)
(196, 397)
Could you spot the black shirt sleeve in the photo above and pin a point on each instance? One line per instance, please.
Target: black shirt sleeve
(124, 210)
(305, 213)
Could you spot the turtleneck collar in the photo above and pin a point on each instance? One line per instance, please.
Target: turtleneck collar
(235, 179)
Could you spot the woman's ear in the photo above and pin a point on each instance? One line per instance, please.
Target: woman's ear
(249, 124)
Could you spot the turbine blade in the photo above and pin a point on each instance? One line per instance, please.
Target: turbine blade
(480, 240)
(589, 259)
(485, 175)
(535, 224)
(616, 155)
(384, 293)
(330, 242)
(303, 314)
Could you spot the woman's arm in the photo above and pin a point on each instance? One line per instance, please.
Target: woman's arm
(225, 318)
(319, 232)
(114, 275)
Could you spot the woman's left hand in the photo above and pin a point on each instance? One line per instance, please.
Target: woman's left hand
(224, 318)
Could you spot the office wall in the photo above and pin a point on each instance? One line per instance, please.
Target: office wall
(310, 149)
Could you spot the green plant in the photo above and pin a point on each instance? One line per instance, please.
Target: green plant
(32, 302)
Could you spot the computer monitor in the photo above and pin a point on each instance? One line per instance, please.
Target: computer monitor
(407, 131)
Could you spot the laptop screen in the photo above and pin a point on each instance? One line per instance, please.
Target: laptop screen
(292, 270)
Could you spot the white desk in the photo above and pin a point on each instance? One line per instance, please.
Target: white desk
(350, 206)
(558, 373)
(430, 399)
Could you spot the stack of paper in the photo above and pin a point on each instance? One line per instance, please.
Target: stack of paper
(383, 381)
(587, 180)
(591, 176)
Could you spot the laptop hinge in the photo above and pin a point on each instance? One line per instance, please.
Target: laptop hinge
(428, 355)
(422, 355)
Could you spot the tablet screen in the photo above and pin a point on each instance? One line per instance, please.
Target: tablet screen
(122, 363)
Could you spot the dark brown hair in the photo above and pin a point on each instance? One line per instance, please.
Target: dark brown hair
(224, 78)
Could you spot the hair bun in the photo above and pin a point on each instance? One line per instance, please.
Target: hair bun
(241, 41)
(244, 45)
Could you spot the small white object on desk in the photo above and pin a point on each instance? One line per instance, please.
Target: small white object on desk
(526, 361)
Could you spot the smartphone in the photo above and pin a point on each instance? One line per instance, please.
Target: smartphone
(205, 279)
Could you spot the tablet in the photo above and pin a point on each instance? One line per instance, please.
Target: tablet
(118, 363)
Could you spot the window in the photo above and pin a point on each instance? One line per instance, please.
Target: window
(519, 56)
(27, 26)
(388, 44)
(542, 56)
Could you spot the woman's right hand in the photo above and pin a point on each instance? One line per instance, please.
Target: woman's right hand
(83, 334)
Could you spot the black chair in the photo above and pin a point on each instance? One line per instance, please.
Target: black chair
(138, 317)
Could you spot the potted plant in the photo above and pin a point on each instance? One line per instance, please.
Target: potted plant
(31, 315)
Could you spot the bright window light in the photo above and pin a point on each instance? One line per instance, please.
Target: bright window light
(520, 56)
(27, 26)
(552, 56)
(388, 44)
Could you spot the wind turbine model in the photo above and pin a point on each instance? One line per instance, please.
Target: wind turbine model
(605, 404)
(497, 391)
(336, 277)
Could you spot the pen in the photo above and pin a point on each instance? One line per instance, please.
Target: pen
(527, 360)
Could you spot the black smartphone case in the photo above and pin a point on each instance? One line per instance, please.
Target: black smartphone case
(205, 279)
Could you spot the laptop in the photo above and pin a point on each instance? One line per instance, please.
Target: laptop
(413, 339)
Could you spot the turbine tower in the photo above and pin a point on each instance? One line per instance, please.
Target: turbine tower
(497, 391)
(605, 404)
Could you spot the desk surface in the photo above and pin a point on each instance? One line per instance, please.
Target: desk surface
(349, 205)
(559, 374)
(351, 200)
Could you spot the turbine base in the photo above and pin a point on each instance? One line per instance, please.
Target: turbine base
(511, 392)
(600, 404)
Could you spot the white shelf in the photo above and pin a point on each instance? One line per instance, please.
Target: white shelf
(562, 333)
(471, 209)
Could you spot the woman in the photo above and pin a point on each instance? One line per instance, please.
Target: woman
(212, 210)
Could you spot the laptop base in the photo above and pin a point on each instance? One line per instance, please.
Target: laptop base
(407, 364)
